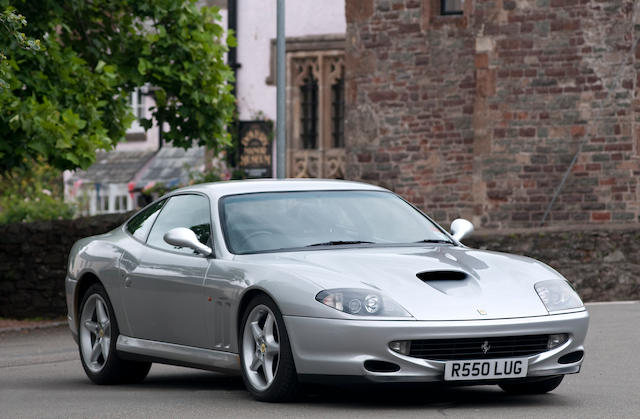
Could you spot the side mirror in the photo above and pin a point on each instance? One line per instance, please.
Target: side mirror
(183, 237)
(461, 228)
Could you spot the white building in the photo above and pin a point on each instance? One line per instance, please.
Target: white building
(315, 32)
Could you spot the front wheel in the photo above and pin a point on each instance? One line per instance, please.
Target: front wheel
(535, 387)
(97, 335)
(268, 370)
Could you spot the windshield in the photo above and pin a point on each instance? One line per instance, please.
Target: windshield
(271, 221)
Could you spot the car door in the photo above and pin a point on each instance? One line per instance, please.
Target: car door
(163, 292)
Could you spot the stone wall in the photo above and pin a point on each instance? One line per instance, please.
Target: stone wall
(602, 264)
(33, 263)
(481, 115)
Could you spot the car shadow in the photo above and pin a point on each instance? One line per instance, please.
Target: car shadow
(383, 396)
(424, 396)
(192, 380)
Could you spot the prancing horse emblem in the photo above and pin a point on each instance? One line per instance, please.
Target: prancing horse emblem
(485, 347)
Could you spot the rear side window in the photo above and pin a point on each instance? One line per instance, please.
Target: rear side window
(140, 225)
(190, 211)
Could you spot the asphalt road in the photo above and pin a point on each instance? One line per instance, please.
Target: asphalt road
(41, 377)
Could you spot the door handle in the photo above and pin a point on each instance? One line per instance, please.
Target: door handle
(127, 282)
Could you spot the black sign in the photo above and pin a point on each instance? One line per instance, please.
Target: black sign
(255, 143)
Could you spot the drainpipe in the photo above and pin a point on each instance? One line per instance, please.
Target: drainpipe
(232, 25)
(232, 62)
(280, 93)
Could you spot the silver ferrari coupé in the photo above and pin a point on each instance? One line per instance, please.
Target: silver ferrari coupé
(311, 280)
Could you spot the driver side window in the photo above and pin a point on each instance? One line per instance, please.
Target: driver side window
(190, 211)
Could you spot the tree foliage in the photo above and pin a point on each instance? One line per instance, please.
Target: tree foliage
(11, 24)
(63, 103)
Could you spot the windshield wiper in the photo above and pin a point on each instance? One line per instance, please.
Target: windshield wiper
(434, 241)
(338, 243)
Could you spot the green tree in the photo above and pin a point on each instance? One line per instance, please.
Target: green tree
(11, 24)
(64, 103)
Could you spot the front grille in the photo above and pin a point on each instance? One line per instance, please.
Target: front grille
(474, 348)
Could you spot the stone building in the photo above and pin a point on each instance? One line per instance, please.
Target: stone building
(482, 108)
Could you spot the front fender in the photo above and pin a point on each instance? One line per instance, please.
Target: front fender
(92, 260)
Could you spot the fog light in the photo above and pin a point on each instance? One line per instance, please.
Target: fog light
(401, 346)
(557, 340)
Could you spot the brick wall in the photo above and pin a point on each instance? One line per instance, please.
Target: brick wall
(480, 115)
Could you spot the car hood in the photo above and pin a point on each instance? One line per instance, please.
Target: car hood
(496, 286)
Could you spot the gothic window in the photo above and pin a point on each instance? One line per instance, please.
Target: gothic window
(316, 123)
(337, 113)
(309, 112)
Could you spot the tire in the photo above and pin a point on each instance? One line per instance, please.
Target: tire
(264, 346)
(535, 387)
(97, 335)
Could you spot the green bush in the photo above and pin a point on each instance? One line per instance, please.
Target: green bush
(32, 193)
(44, 207)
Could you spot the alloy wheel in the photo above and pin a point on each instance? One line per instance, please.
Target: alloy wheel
(95, 333)
(261, 347)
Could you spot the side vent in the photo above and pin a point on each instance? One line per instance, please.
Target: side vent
(441, 276)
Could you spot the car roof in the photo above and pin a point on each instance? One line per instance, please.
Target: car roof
(234, 187)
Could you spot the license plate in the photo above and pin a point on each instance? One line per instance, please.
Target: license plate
(485, 369)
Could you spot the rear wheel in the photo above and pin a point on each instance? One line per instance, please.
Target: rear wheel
(97, 336)
(267, 364)
(535, 387)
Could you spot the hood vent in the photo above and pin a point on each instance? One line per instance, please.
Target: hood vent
(441, 276)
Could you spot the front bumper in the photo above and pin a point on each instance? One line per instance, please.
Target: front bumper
(333, 347)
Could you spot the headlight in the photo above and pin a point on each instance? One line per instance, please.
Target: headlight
(557, 295)
(361, 303)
